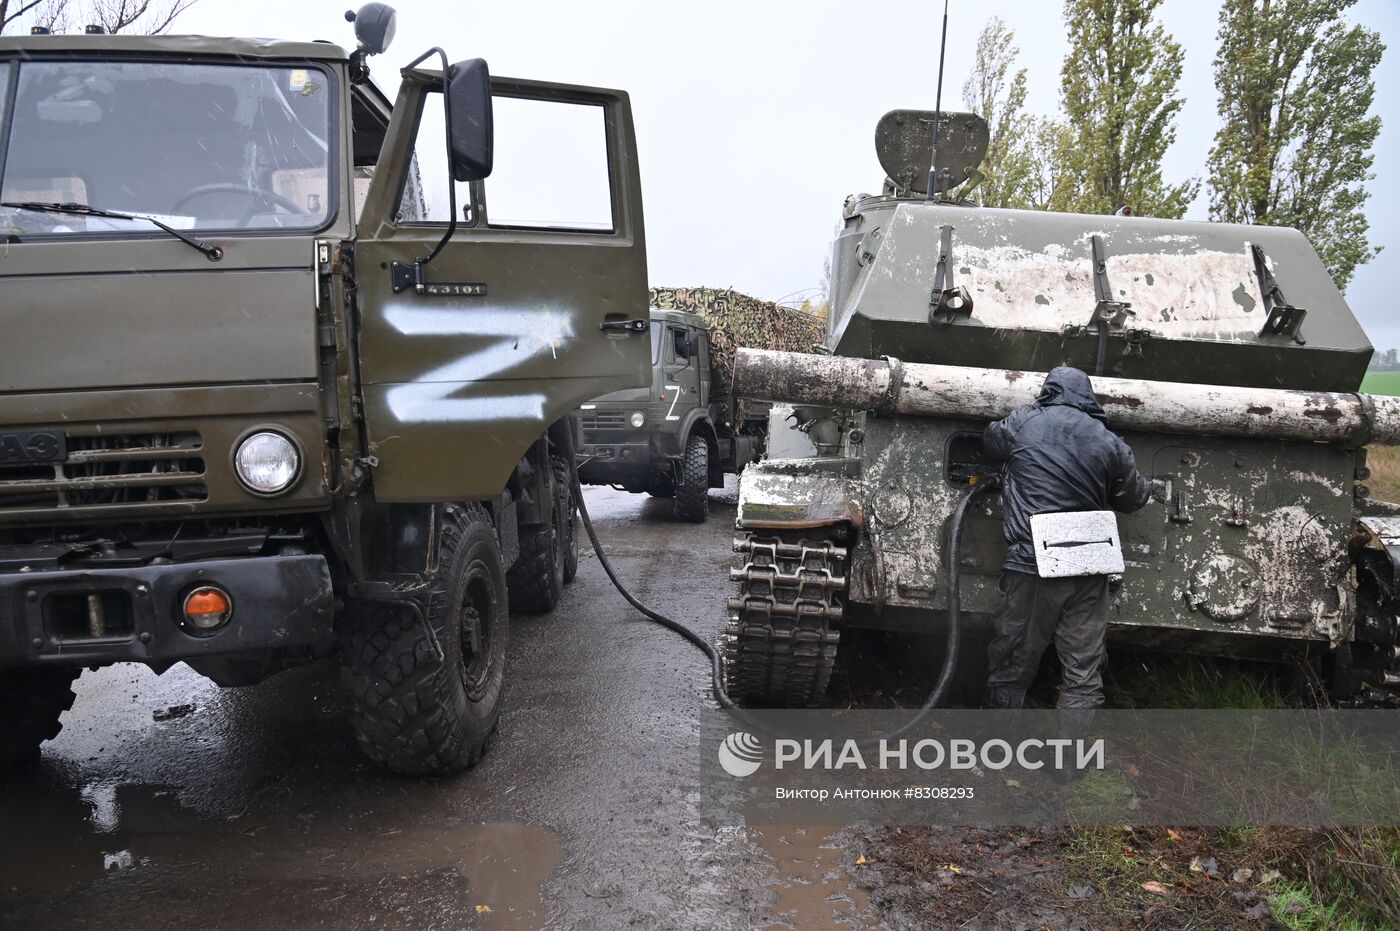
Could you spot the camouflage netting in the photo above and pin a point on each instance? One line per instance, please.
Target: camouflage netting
(740, 320)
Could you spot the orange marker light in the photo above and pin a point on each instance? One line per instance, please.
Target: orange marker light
(208, 608)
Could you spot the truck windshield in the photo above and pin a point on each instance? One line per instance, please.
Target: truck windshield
(196, 146)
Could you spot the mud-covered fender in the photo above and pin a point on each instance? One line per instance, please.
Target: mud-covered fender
(776, 495)
(697, 418)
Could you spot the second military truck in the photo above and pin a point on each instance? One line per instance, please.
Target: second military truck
(682, 433)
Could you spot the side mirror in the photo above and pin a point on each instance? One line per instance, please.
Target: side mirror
(374, 27)
(468, 92)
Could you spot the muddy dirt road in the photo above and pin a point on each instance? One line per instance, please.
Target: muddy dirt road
(252, 807)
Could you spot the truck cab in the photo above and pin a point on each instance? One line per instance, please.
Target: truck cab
(676, 437)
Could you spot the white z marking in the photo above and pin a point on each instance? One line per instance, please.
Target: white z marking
(520, 335)
(671, 414)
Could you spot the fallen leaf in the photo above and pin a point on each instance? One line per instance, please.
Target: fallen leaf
(1156, 888)
(1242, 875)
(950, 867)
(1013, 783)
(1208, 865)
(860, 860)
(1173, 834)
(1260, 909)
(1269, 876)
(1081, 892)
(483, 909)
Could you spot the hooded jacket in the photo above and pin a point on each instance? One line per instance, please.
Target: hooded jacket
(1059, 455)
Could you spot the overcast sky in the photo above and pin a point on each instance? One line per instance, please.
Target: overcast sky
(755, 119)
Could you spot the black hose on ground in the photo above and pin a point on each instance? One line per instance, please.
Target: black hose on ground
(952, 644)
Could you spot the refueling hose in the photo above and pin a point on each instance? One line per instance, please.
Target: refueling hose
(951, 648)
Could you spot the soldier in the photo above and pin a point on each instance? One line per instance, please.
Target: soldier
(1058, 455)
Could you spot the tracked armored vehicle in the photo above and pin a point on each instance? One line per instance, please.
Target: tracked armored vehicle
(1224, 355)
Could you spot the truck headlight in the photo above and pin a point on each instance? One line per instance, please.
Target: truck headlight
(637, 419)
(267, 463)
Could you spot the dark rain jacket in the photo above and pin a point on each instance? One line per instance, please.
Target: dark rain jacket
(1059, 455)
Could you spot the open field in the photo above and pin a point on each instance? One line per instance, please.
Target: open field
(1381, 383)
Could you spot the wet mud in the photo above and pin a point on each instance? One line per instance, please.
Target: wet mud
(252, 808)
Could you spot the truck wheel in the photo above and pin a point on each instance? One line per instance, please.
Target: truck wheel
(662, 485)
(566, 514)
(693, 481)
(537, 579)
(31, 702)
(412, 711)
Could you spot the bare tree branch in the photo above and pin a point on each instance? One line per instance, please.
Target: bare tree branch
(11, 10)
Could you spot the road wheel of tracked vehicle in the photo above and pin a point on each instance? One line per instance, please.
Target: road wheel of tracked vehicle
(693, 481)
(537, 578)
(425, 698)
(566, 517)
(31, 702)
(662, 485)
(784, 626)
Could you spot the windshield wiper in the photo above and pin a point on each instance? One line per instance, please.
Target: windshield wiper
(214, 253)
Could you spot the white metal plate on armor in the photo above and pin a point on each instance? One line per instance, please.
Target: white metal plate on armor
(1074, 543)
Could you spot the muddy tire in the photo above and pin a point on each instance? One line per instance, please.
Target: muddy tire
(662, 485)
(537, 579)
(31, 702)
(693, 481)
(566, 516)
(412, 711)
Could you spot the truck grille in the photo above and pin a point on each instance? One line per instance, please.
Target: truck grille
(604, 420)
(102, 471)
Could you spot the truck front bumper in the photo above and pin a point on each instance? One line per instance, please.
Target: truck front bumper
(135, 614)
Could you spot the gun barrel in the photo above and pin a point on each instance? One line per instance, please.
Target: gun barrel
(893, 387)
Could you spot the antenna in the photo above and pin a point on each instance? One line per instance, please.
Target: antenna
(933, 189)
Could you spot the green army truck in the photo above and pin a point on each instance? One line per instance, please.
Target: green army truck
(287, 367)
(681, 434)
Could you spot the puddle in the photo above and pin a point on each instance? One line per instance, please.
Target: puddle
(505, 866)
(814, 888)
(59, 839)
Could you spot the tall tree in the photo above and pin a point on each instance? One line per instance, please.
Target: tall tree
(998, 95)
(1295, 146)
(1119, 91)
(1051, 142)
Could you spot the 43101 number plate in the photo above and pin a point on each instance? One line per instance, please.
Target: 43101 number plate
(33, 446)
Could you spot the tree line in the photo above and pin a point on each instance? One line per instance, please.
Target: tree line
(1293, 147)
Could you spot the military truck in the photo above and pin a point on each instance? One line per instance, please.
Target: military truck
(679, 436)
(1224, 355)
(267, 395)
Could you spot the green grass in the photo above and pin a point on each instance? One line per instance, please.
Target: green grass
(1381, 383)
(1142, 680)
(1297, 910)
(1385, 471)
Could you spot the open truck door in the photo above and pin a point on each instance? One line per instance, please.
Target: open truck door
(528, 304)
